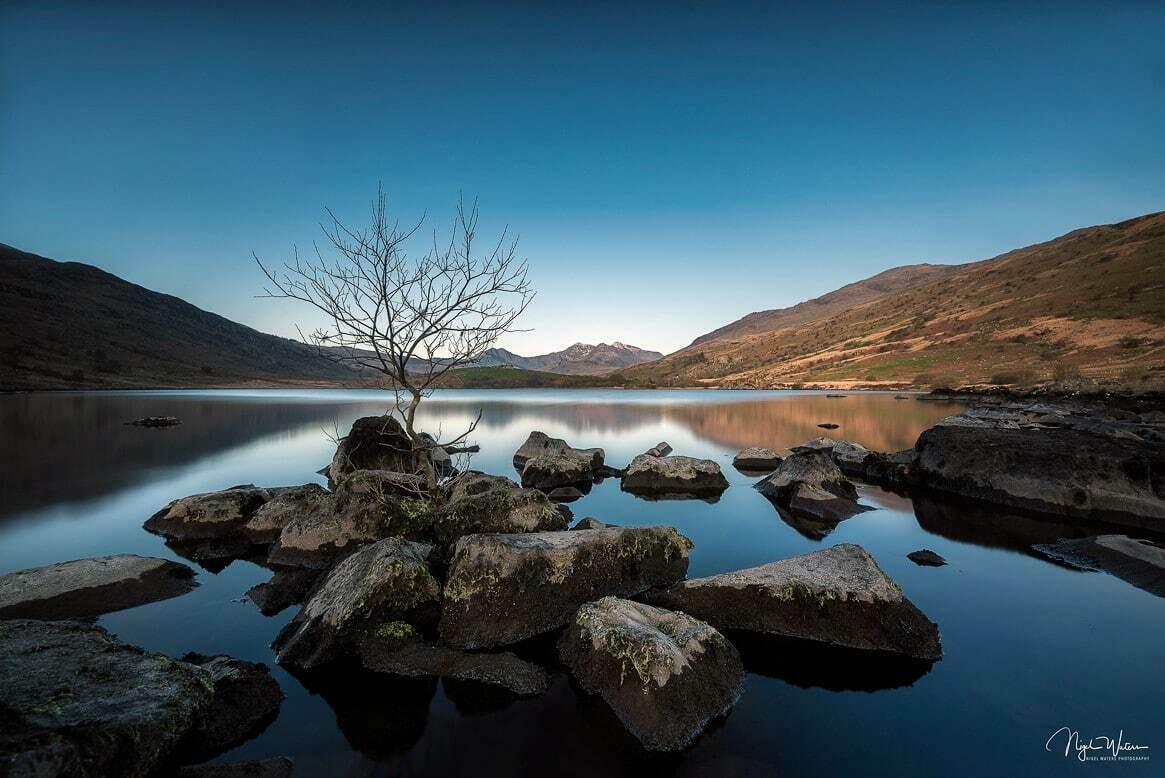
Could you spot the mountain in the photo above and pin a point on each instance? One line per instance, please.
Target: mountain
(579, 359)
(1091, 301)
(68, 325)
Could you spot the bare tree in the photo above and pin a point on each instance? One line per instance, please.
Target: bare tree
(411, 319)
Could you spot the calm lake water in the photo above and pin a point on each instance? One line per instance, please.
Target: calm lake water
(1029, 646)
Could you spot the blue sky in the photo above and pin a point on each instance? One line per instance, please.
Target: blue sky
(669, 168)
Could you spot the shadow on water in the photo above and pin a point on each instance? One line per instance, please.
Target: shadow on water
(806, 664)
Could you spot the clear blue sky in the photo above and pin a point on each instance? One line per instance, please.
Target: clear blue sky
(668, 168)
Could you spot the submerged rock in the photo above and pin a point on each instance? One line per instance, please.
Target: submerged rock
(837, 596)
(1138, 561)
(78, 701)
(924, 557)
(674, 477)
(505, 588)
(665, 674)
(87, 588)
(155, 421)
(374, 443)
(1064, 463)
(386, 581)
(398, 649)
(758, 460)
(246, 700)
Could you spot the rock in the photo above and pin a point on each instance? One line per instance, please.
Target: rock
(758, 460)
(362, 510)
(78, 701)
(901, 397)
(565, 494)
(665, 674)
(87, 588)
(1084, 467)
(827, 425)
(383, 483)
(398, 649)
(374, 443)
(817, 444)
(661, 449)
(287, 587)
(439, 457)
(269, 519)
(674, 477)
(812, 502)
(838, 596)
(386, 581)
(606, 471)
(1138, 561)
(505, 588)
(558, 468)
(482, 503)
(212, 515)
(246, 700)
(155, 421)
(875, 467)
(813, 469)
(590, 522)
(835, 396)
(540, 443)
(924, 557)
(276, 767)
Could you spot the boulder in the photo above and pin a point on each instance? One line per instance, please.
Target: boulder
(275, 767)
(540, 443)
(397, 648)
(661, 449)
(758, 460)
(924, 557)
(482, 503)
(817, 444)
(505, 588)
(362, 510)
(374, 443)
(558, 468)
(386, 581)
(206, 516)
(838, 596)
(565, 494)
(856, 460)
(1138, 561)
(269, 519)
(246, 700)
(87, 588)
(674, 477)
(78, 701)
(812, 468)
(665, 674)
(1082, 466)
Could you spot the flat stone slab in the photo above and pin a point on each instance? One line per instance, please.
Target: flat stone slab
(502, 589)
(665, 674)
(837, 596)
(78, 701)
(87, 588)
(1139, 562)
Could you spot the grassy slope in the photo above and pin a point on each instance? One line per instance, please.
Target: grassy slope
(1092, 301)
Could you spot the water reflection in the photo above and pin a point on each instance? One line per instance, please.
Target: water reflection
(814, 665)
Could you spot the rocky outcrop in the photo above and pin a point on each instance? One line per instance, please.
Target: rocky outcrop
(838, 596)
(78, 701)
(665, 674)
(758, 460)
(924, 557)
(482, 503)
(384, 582)
(505, 588)
(1138, 561)
(246, 700)
(539, 443)
(673, 477)
(1052, 459)
(397, 648)
(374, 443)
(87, 588)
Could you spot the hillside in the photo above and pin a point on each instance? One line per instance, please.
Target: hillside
(579, 359)
(68, 325)
(1091, 302)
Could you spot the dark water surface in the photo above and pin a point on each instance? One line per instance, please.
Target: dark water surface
(1029, 646)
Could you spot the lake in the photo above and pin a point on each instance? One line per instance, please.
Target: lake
(1029, 646)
